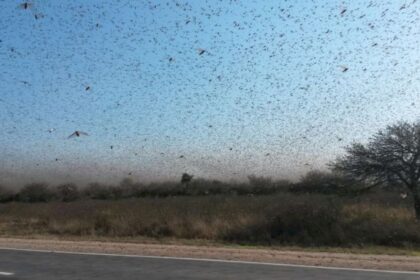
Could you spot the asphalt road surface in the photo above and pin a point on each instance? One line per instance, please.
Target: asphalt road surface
(49, 265)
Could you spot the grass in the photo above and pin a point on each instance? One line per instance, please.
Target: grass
(287, 221)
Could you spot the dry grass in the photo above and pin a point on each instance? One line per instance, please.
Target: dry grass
(284, 219)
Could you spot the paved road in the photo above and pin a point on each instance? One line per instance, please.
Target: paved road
(55, 266)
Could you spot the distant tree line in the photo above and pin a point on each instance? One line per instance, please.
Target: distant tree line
(312, 182)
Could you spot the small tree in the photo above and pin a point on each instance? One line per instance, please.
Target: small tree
(98, 191)
(67, 192)
(390, 156)
(316, 181)
(260, 184)
(35, 192)
(186, 179)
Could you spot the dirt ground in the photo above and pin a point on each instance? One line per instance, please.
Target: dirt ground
(385, 262)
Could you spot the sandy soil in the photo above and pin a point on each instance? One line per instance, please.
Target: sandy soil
(386, 262)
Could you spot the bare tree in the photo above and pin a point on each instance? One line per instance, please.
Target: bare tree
(390, 156)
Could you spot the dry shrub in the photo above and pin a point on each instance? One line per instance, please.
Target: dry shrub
(35, 192)
(311, 220)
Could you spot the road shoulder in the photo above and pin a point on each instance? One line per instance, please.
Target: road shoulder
(344, 260)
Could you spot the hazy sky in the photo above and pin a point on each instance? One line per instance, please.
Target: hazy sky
(269, 95)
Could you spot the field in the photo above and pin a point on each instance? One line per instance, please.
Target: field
(287, 219)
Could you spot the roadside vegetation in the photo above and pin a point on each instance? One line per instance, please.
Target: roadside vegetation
(312, 212)
(370, 197)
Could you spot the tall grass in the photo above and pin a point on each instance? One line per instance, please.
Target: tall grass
(293, 219)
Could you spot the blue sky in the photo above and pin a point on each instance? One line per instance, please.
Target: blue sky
(267, 97)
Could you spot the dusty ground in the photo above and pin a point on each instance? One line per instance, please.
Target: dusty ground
(386, 262)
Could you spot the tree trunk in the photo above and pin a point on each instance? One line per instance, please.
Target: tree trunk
(416, 198)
